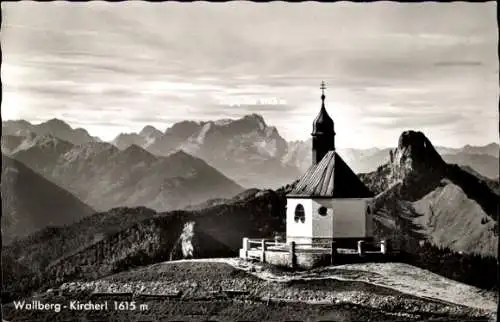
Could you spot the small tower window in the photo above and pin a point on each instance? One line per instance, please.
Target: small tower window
(300, 215)
(322, 211)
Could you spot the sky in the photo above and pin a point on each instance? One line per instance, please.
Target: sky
(388, 67)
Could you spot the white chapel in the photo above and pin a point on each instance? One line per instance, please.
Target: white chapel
(329, 202)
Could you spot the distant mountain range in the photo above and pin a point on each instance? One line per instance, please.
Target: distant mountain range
(55, 127)
(247, 150)
(485, 164)
(483, 159)
(104, 176)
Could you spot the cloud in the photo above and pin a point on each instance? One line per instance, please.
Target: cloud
(458, 64)
(415, 120)
(138, 63)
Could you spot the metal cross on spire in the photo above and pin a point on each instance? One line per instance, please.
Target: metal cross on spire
(323, 87)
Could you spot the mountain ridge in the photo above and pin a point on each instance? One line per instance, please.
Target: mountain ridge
(241, 148)
(410, 189)
(106, 177)
(54, 126)
(256, 153)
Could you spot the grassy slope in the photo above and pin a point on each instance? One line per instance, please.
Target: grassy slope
(52, 243)
(218, 231)
(446, 216)
(455, 209)
(27, 258)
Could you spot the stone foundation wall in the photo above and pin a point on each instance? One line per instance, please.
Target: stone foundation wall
(299, 240)
(282, 258)
(351, 243)
(310, 260)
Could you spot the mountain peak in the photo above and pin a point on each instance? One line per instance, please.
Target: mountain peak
(247, 123)
(415, 154)
(255, 116)
(150, 130)
(134, 149)
(56, 122)
(17, 127)
(259, 119)
(418, 146)
(180, 154)
(135, 152)
(183, 129)
(20, 121)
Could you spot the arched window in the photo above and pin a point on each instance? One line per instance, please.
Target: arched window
(322, 211)
(300, 215)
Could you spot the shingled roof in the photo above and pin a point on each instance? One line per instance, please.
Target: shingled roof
(330, 178)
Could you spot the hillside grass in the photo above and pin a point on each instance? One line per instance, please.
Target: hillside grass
(256, 213)
(203, 284)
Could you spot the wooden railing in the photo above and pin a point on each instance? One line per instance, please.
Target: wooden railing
(263, 245)
(258, 243)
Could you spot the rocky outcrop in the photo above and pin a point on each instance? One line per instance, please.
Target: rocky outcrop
(413, 161)
(184, 247)
(410, 206)
(415, 156)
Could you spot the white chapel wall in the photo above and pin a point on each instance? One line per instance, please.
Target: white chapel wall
(350, 218)
(322, 225)
(369, 220)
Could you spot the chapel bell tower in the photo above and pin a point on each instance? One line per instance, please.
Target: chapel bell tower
(323, 134)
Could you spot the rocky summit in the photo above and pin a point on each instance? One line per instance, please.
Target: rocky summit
(421, 197)
(415, 155)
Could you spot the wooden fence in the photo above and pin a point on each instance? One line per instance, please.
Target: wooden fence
(257, 248)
